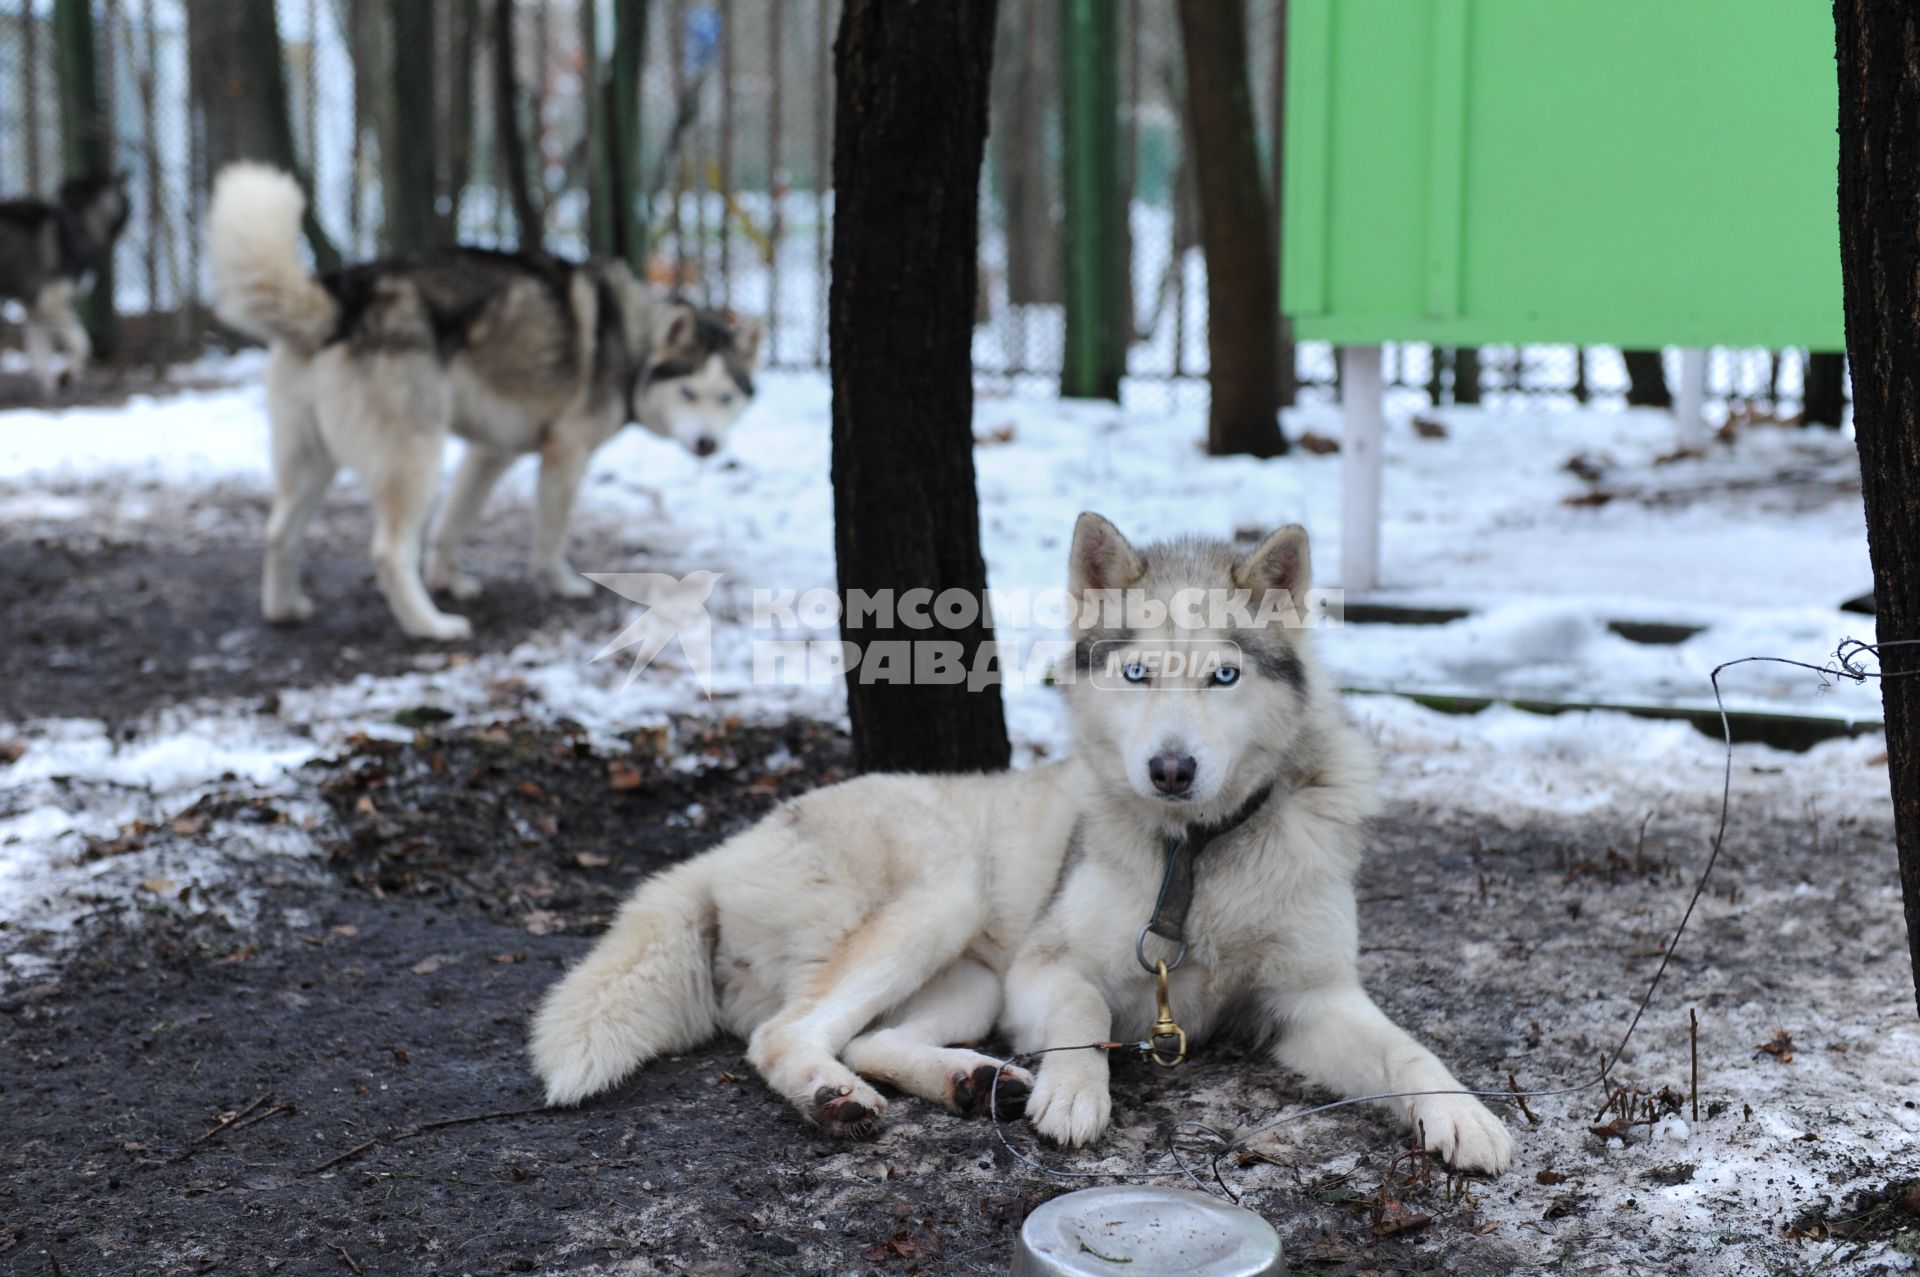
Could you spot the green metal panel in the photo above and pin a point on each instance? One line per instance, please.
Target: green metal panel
(1634, 172)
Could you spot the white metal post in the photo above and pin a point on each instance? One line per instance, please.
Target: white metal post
(1690, 403)
(1362, 411)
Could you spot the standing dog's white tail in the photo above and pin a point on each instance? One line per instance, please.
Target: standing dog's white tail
(644, 991)
(253, 242)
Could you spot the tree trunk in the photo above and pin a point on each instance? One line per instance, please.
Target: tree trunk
(1824, 396)
(1879, 64)
(1236, 233)
(238, 82)
(462, 44)
(1034, 276)
(1466, 375)
(86, 138)
(1646, 380)
(910, 128)
(410, 181)
(529, 226)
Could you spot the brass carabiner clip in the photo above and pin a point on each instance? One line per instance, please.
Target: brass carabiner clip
(1165, 1030)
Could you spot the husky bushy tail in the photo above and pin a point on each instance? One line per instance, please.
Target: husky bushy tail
(645, 990)
(261, 286)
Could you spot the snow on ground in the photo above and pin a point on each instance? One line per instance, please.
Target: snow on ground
(1756, 545)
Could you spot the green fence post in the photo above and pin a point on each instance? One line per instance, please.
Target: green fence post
(1097, 315)
(86, 145)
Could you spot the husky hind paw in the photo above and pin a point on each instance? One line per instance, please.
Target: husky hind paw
(971, 1092)
(848, 1112)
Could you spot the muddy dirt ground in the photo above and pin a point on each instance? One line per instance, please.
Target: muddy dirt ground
(321, 1070)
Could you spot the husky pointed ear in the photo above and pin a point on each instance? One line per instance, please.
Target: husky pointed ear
(748, 337)
(1101, 559)
(674, 332)
(1280, 562)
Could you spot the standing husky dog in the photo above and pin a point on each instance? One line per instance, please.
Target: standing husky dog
(373, 366)
(46, 252)
(859, 931)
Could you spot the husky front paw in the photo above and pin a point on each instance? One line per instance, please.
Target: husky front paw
(1460, 1129)
(443, 627)
(564, 583)
(289, 611)
(1070, 1105)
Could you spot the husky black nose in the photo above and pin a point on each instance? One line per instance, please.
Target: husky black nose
(1172, 773)
(705, 447)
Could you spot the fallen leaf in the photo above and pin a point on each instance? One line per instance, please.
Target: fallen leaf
(591, 860)
(1318, 444)
(159, 886)
(543, 922)
(999, 434)
(1780, 1046)
(427, 966)
(1597, 497)
(12, 750)
(187, 826)
(364, 805)
(623, 775)
(1549, 1178)
(1428, 428)
(401, 1057)
(1678, 454)
(1396, 1217)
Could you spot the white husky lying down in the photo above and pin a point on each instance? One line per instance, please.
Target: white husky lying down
(857, 932)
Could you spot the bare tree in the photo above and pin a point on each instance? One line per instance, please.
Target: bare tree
(529, 224)
(410, 185)
(1646, 380)
(1824, 396)
(1236, 233)
(238, 84)
(1879, 64)
(910, 130)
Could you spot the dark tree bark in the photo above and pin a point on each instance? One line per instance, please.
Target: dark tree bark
(529, 225)
(238, 83)
(1646, 380)
(1466, 375)
(1824, 397)
(411, 181)
(462, 46)
(86, 138)
(1236, 234)
(1879, 61)
(1020, 144)
(910, 129)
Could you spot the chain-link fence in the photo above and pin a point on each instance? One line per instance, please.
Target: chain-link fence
(416, 121)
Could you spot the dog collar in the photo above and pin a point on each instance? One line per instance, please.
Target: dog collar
(1169, 920)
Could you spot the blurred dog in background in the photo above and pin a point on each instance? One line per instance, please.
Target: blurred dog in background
(48, 249)
(374, 366)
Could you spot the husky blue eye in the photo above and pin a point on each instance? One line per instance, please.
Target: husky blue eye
(1134, 673)
(687, 394)
(726, 398)
(1226, 676)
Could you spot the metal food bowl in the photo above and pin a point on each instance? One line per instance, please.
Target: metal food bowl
(1143, 1232)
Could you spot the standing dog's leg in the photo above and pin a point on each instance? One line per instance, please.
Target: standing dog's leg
(881, 963)
(563, 463)
(914, 1052)
(73, 337)
(1338, 1038)
(388, 417)
(41, 325)
(302, 472)
(480, 469)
